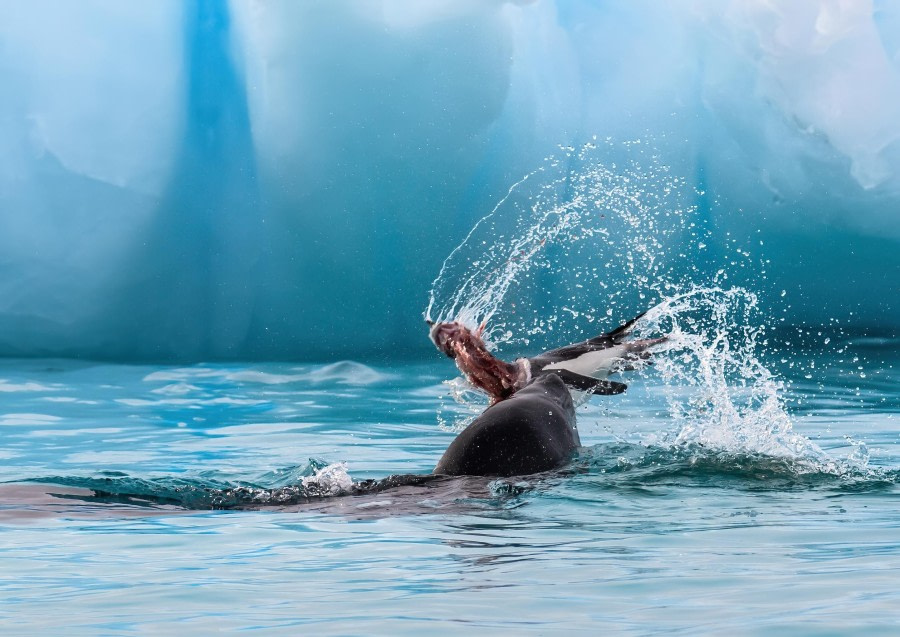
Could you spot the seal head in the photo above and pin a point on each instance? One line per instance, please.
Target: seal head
(531, 432)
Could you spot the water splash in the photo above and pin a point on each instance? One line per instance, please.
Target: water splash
(582, 238)
(721, 395)
(465, 405)
(589, 235)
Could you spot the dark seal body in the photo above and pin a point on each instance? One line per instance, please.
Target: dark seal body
(530, 432)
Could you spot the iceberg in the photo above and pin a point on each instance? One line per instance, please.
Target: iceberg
(248, 179)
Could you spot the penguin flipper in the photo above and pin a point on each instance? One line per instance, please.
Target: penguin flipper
(603, 341)
(587, 383)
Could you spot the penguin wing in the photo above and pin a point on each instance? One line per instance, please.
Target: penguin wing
(596, 357)
(587, 383)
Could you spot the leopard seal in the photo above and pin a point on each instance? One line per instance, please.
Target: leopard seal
(532, 431)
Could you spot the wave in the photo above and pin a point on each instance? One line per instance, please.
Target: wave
(295, 485)
(341, 372)
(609, 466)
(626, 465)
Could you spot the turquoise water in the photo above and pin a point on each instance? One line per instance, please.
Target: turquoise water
(649, 530)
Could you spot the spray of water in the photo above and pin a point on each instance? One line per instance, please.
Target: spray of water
(586, 241)
(721, 395)
(575, 230)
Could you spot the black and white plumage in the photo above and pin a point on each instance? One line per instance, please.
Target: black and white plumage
(585, 366)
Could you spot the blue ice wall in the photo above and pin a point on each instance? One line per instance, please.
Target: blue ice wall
(280, 179)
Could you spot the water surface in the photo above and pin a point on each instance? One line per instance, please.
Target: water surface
(640, 535)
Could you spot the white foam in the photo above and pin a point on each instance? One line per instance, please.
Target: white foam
(721, 396)
(331, 480)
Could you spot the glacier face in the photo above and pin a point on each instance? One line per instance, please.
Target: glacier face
(249, 179)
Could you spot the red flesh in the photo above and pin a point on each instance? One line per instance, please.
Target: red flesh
(497, 378)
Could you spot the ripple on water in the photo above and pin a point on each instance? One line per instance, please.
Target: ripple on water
(625, 534)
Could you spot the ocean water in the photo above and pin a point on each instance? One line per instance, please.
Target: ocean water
(187, 500)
